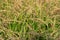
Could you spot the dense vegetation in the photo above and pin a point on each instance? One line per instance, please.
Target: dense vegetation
(29, 19)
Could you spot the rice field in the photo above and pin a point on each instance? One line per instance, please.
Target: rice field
(29, 19)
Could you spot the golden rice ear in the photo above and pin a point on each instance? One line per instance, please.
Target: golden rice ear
(56, 11)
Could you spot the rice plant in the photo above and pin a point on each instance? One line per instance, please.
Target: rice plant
(29, 20)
